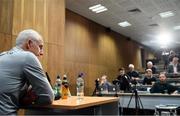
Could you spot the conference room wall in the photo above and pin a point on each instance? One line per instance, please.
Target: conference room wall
(45, 16)
(95, 50)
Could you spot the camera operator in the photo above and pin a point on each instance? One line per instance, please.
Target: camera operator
(123, 80)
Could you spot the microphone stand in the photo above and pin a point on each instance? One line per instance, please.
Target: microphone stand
(116, 92)
(97, 89)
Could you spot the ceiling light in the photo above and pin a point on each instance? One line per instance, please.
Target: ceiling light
(176, 27)
(164, 39)
(95, 6)
(102, 10)
(98, 8)
(166, 14)
(124, 24)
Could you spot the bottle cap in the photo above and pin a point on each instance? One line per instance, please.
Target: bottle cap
(58, 77)
(80, 75)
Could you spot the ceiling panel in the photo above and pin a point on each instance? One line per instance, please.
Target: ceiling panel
(146, 24)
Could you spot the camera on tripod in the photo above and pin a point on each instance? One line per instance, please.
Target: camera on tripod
(116, 82)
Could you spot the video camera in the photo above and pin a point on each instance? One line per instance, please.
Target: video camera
(116, 82)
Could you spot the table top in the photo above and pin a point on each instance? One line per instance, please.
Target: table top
(140, 93)
(167, 106)
(150, 94)
(88, 101)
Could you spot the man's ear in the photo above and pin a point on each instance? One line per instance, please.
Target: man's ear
(29, 44)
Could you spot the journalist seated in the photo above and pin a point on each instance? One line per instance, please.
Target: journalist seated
(174, 66)
(162, 86)
(149, 79)
(104, 82)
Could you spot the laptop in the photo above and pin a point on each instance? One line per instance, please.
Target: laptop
(113, 89)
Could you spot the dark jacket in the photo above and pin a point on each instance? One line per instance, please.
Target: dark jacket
(171, 68)
(163, 88)
(149, 81)
(154, 70)
(124, 82)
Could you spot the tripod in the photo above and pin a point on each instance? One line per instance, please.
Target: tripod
(138, 102)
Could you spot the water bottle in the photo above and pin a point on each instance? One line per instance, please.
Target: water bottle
(65, 88)
(57, 88)
(58, 81)
(80, 86)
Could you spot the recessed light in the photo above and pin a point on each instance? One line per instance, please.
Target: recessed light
(98, 8)
(166, 14)
(124, 24)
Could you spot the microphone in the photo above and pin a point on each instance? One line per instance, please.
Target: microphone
(48, 78)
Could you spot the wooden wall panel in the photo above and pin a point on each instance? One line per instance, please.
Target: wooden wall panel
(55, 61)
(5, 42)
(6, 11)
(90, 49)
(18, 7)
(56, 21)
(56, 24)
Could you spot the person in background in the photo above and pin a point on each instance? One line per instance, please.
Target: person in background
(174, 66)
(162, 86)
(171, 56)
(150, 66)
(19, 69)
(104, 81)
(124, 80)
(149, 79)
(133, 74)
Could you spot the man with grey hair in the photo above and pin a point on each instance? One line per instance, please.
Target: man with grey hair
(152, 67)
(19, 68)
(133, 74)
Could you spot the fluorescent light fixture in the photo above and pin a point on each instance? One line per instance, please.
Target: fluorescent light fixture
(176, 27)
(102, 10)
(98, 8)
(95, 6)
(166, 14)
(124, 24)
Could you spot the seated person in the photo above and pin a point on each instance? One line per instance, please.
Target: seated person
(133, 74)
(174, 66)
(104, 82)
(149, 79)
(162, 86)
(171, 56)
(123, 80)
(150, 66)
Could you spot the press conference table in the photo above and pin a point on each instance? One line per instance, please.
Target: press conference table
(149, 101)
(89, 105)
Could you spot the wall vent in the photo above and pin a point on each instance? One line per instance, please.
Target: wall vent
(153, 25)
(136, 10)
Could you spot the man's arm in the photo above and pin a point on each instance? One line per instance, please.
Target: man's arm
(35, 75)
